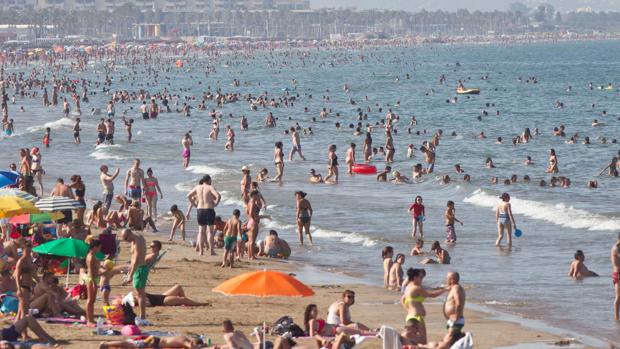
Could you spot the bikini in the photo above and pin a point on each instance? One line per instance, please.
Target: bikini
(417, 299)
(147, 190)
(320, 323)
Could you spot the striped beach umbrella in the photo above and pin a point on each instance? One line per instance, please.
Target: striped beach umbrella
(18, 193)
(58, 203)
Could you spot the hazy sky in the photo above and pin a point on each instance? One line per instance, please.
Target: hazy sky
(484, 5)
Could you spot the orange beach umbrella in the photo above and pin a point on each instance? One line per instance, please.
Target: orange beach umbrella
(264, 283)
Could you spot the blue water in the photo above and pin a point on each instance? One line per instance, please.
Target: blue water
(355, 219)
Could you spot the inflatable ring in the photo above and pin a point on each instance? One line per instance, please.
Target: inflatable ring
(364, 169)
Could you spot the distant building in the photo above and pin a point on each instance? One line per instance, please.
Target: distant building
(200, 6)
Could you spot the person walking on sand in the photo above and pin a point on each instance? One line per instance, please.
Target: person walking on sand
(304, 216)
(615, 276)
(505, 220)
(134, 181)
(138, 271)
(296, 145)
(92, 279)
(186, 142)
(205, 198)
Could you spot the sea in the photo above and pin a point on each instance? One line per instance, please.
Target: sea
(355, 219)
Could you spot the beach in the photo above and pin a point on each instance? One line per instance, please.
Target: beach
(563, 94)
(376, 306)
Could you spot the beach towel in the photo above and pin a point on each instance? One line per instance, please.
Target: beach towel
(466, 342)
(391, 338)
(64, 320)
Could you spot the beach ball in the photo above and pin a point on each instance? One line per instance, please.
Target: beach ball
(518, 232)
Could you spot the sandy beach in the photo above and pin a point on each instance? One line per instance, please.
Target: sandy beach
(198, 275)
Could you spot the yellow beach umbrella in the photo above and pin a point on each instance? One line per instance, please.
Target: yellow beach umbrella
(13, 206)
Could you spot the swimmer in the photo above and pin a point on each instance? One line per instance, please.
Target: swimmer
(417, 249)
(578, 269)
(186, 143)
(315, 177)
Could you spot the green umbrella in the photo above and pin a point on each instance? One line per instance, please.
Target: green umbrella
(66, 247)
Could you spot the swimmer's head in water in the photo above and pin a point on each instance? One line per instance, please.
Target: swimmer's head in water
(505, 197)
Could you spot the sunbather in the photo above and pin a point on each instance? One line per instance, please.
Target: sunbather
(320, 329)
(175, 296)
(13, 332)
(156, 342)
(447, 341)
(237, 339)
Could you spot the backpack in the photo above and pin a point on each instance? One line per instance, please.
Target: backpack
(285, 324)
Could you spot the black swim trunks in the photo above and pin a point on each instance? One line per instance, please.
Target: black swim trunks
(156, 300)
(206, 216)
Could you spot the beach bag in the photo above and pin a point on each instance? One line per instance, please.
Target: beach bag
(79, 291)
(285, 324)
(114, 314)
(10, 303)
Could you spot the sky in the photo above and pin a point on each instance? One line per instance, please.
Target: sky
(483, 5)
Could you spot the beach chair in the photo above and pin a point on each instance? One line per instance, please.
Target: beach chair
(152, 266)
(390, 338)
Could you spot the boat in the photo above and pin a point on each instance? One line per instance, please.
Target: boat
(467, 91)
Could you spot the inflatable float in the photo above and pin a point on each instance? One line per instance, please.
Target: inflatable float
(364, 169)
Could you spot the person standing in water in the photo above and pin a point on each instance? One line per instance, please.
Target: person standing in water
(278, 159)
(505, 220)
(615, 276)
(367, 147)
(304, 216)
(350, 159)
(418, 215)
(332, 165)
(553, 162)
(186, 142)
(296, 145)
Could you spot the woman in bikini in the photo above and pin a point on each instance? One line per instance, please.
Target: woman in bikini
(25, 275)
(304, 216)
(505, 220)
(79, 193)
(37, 169)
(319, 328)
(151, 187)
(415, 295)
(553, 162)
(278, 159)
(332, 165)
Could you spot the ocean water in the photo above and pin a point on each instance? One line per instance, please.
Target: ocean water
(355, 219)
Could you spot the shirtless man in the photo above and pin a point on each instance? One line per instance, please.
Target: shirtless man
(205, 198)
(107, 182)
(455, 303)
(232, 230)
(230, 139)
(61, 189)
(101, 130)
(92, 279)
(237, 339)
(578, 269)
(138, 270)
(615, 276)
(134, 181)
(296, 145)
(109, 131)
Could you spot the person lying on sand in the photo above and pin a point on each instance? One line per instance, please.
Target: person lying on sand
(19, 327)
(446, 343)
(238, 340)
(156, 342)
(175, 296)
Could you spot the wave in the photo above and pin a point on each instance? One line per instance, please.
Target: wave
(560, 214)
(185, 186)
(231, 199)
(108, 152)
(347, 237)
(204, 169)
(54, 125)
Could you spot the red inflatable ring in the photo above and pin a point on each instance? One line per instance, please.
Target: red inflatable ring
(364, 169)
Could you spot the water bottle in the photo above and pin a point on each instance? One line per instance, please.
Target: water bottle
(100, 322)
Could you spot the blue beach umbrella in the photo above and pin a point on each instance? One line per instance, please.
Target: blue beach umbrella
(8, 178)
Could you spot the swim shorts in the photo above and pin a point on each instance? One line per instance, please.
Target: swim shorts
(134, 192)
(205, 216)
(456, 325)
(106, 288)
(450, 233)
(68, 217)
(140, 276)
(229, 243)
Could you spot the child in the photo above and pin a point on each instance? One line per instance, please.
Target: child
(46, 138)
(179, 222)
(231, 231)
(106, 273)
(396, 272)
(262, 176)
(388, 252)
(242, 241)
(450, 216)
(410, 150)
(418, 213)
(417, 249)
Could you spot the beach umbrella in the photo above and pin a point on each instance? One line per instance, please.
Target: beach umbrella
(12, 206)
(264, 283)
(58, 203)
(8, 178)
(66, 247)
(44, 217)
(18, 193)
